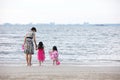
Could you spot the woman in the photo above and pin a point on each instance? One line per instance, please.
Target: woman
(29, 46)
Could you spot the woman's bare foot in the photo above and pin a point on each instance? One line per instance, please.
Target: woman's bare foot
(30, 64)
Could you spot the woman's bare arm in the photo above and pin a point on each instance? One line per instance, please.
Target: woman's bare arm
(34, 37)
(25, 40)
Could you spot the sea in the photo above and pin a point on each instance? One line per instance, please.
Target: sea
(76, 44)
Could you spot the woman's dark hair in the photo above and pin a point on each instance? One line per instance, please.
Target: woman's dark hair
(55, 48)
(33, 29)
(40, 45)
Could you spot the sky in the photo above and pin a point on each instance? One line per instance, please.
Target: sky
(59, 11)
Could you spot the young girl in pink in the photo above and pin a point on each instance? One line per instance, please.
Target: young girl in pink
(41, 53)
(54, 55)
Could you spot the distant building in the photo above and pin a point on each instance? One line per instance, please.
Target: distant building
(86, 24)
(52, 24)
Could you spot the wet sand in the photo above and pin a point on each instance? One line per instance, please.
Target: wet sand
(61, 72)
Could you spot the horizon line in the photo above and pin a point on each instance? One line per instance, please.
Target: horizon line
(55, 23)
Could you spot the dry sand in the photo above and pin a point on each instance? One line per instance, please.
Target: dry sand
(62, 72)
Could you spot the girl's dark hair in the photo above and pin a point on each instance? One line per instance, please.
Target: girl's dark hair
(33, 29)
(40, 45)
(55, 48)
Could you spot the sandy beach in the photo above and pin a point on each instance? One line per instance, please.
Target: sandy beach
(61, 72)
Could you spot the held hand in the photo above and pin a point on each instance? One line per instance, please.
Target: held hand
(36, 47)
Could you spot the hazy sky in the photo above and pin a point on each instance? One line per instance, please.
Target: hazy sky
(59, 11)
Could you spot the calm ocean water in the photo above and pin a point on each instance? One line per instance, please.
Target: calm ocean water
(75, 44)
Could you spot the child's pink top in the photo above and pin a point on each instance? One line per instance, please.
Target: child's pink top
(54, 55)
(41, 55)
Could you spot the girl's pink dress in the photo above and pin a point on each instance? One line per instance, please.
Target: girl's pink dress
(41, 55)
(54, 55)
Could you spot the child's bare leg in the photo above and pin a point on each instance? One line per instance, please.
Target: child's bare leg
(56, 61)
(53, 62)
(40, 63)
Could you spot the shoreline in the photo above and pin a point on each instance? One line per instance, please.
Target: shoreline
(47, 63)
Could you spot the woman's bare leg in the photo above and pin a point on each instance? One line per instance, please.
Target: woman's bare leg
(27, 59)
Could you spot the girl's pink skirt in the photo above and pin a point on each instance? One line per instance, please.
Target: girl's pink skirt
(41, 55)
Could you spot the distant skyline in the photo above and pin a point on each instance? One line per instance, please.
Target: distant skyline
(59, 11)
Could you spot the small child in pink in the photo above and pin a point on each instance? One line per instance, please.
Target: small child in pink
(41, 53)
(54, 55)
